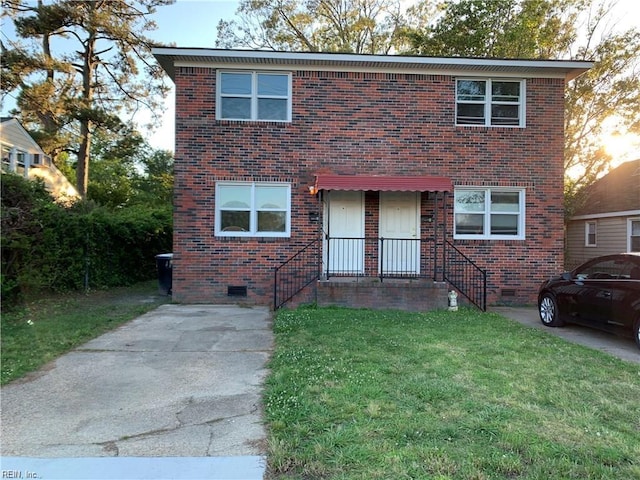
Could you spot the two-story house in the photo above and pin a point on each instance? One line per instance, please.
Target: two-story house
(366, 180)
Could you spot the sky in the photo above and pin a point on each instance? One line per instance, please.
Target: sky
(193, 23)
(186, 23)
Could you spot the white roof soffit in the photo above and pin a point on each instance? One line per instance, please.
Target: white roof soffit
(171, 57)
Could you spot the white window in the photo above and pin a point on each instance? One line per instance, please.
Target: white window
(490, 102)
(590, 231)
(634, 235)
(247, 209)
(259, 96)
(6, 153)
(489, 213)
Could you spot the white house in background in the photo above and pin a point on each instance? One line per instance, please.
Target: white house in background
(609, 221)
(21, 154)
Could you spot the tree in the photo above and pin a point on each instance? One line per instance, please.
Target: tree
(93, 81)
(557, 29)
(127, 171)
(43, 100)
(114, 172)
(500, 29)
(610, 90)
(155, 186)
(350, 26)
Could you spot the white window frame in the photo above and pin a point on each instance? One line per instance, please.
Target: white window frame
(630, 222)
(487, 102)
(253, 211)
(587, 233)
(6, 154)
(486, 230)
(253, 96)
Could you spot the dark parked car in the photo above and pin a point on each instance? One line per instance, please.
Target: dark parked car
(603, 293)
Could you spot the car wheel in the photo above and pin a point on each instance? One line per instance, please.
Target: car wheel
(636, 331)
(548, 309)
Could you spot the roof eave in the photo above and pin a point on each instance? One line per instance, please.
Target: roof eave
(168, 57)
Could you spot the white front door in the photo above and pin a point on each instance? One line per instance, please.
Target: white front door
(344, 252)
(400, 219)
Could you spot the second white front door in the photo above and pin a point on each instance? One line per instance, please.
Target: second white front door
(400, 229)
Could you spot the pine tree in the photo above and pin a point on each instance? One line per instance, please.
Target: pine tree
(101, 70)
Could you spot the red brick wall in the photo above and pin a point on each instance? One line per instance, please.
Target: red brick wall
(401, 295)
(360, 123)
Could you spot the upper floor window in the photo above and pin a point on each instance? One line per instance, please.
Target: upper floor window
(490, 102)
(260, 96)
(489, 213)
(590, 234)
(253, 209)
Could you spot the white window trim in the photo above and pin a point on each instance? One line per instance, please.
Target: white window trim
(487, 103)
(253, 221)
(629, 230)
(487, 215)
(586, 234)
(254, 95)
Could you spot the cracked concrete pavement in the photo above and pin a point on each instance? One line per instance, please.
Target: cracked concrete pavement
(180, 381)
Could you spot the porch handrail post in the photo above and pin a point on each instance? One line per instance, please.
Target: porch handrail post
(275, 287)
(436, 222)
(319, 255)
(328, 254)
(444, 233)
(484, 290)
(381, 259)
(434, 253)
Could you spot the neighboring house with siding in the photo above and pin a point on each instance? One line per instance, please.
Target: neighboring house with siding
(365, 180)
(22, 155)
(609, 221)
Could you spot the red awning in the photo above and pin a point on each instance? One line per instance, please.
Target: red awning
(383, 183)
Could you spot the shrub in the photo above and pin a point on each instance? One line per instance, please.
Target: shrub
(20, 202)
(46, 246)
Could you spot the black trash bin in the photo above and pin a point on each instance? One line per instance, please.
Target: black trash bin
(164, 264)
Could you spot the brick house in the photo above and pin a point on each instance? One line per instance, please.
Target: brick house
(363, 180)
(609, 220)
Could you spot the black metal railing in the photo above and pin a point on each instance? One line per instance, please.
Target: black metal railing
(465, 276)
(378, 257)
(296, 273)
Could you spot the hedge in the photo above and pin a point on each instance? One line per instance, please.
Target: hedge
(50, 247)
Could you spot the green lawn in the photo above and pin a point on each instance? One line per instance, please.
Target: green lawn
(45, 328)
(360, 394)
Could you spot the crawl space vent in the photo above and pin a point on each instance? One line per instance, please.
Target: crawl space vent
(236, 291)
(508, 292)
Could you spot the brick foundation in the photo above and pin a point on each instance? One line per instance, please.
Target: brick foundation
(411, 295)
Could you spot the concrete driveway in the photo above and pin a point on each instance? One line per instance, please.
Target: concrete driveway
(621, 347)
(180, 386)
